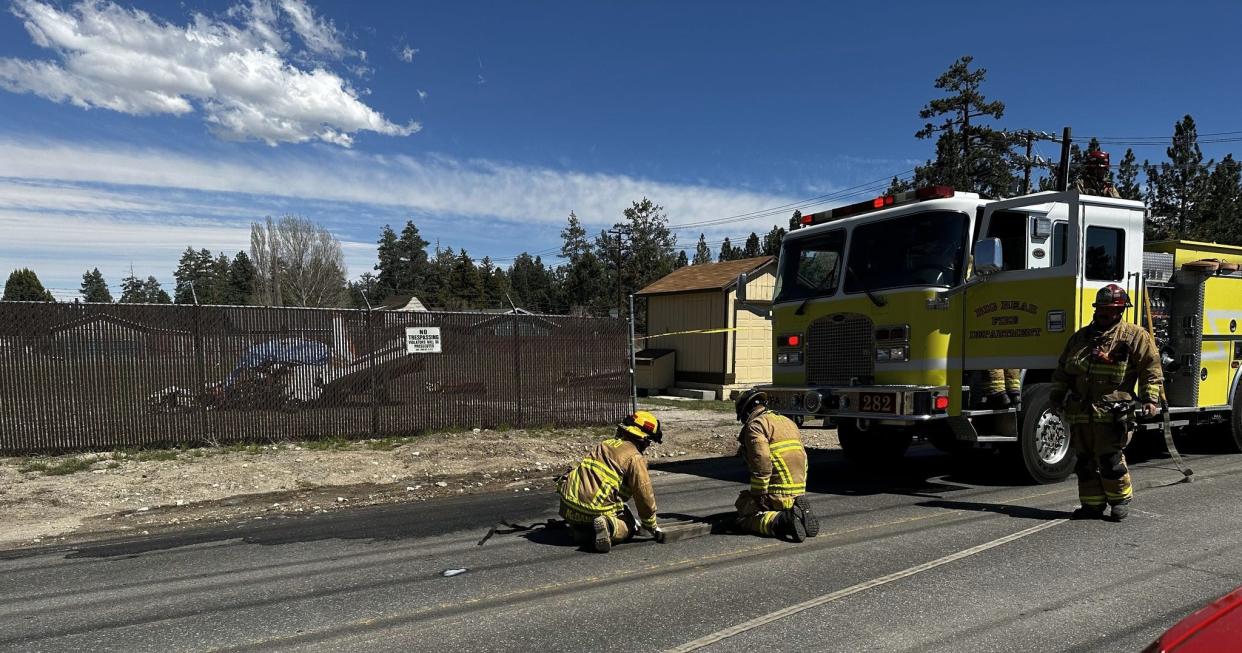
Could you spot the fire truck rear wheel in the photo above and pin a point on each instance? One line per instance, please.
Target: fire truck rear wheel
(877, 445)
(1043, 452)
(1234, 440)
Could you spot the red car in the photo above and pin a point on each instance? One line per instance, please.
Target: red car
(1213, 628)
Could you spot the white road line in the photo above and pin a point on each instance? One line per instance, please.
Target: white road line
(866, 585)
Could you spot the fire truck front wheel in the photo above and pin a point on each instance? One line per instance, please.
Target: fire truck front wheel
(1043, 451)
(877, 445)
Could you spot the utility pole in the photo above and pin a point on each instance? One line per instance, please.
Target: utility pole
(620, 273)
(1063, 170)
(1026, 177)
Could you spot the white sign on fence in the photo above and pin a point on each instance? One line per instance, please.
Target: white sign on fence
(422, 340)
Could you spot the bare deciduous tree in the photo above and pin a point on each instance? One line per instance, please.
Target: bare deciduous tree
(299, 263)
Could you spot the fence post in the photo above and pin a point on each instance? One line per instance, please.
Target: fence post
(200, 372)
(374, 376)
(517, 365)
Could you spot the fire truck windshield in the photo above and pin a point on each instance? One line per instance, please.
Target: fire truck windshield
(920, 249)
(810, 267)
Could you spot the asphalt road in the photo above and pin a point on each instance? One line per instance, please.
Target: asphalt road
(931, 557)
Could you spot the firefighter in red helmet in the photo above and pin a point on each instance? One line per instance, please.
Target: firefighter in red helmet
(1105, 367)
(1093, 178)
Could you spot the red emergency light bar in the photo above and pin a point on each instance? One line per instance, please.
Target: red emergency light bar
(881, 202)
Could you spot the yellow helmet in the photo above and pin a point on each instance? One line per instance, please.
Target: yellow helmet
(643, 426)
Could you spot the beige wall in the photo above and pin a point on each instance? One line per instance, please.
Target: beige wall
(752, 342)
(684, 312)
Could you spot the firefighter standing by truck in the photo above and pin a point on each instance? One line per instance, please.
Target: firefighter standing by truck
(1095, 383)
(775, 504)
(594, 492)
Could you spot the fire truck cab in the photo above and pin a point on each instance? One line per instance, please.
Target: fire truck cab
(888, 313)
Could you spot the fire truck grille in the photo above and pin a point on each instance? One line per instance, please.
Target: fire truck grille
(840, 348)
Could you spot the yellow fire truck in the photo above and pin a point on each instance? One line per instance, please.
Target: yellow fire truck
(888, 312)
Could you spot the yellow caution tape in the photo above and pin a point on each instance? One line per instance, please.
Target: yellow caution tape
(694, 331)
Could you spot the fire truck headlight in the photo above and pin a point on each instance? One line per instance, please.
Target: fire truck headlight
(782, 359)
(899, 354)
(883, 353)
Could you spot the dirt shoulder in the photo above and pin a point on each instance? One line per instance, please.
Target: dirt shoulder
(88, 496)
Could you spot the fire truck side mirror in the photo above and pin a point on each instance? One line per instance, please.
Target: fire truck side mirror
(741, 288)
(988, 256)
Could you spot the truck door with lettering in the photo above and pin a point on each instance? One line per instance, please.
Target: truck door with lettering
(1021, 316)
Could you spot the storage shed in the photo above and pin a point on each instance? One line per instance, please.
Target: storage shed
(700, 297)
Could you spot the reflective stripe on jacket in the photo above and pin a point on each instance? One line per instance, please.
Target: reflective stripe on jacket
(773, 449)
(1100, 367)
(606, 478)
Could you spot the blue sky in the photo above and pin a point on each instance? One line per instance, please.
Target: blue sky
(129, 131)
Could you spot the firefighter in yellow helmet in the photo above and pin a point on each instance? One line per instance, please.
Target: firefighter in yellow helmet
(593, 493)
(1095, 382)
(775, 504)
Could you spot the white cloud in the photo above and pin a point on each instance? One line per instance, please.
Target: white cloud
(238, 73)
(319, 34)
(407, 54)
(430, 185)
(422, 95)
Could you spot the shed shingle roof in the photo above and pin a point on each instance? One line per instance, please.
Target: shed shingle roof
(711, 276)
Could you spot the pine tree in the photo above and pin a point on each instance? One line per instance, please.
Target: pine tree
(752, 248)
(153, 293)
(389, 265)
(728, 252)
(584, 277)
(196, 277)
(1127, 178)
(465, 283)
(439, 286)
(795, 221)
(702, 253)
(772, 242)
(1220, 219)
(647, 251)
(970, 156)
(94, 288)
(495, 283)
(241, 279)
(682, 260)
(898, 185)
(24, 286)
(1176, 189)
(132, 291)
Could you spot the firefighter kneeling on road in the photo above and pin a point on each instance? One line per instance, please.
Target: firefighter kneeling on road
(776, 503)
(594, 492)
(1094, 382)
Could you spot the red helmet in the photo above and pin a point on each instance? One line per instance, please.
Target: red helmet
(1112, 296)
(1097, 159)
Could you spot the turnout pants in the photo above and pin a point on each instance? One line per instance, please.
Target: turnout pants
(1102, 473)
(755, 514)
(1002, 380)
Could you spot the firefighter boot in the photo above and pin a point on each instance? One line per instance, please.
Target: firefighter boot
(996, 400)
(802, 509)
(1088, 512)
(1120, 511)
(603, 538)
(788, 524)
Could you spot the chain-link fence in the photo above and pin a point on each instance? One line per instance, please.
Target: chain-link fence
(81, 376)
